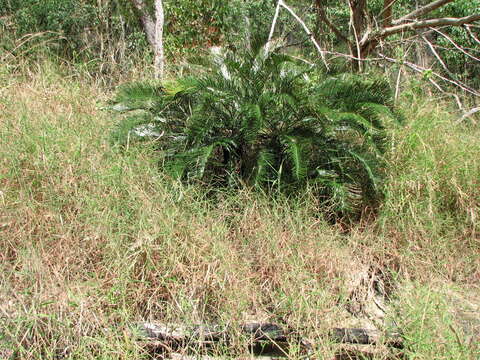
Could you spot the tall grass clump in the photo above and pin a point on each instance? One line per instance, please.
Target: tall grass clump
(265, 119)
(432, 195)
(94, 238)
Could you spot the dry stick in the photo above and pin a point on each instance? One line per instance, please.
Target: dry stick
(29, 37)
(309, 33)
(400, 69)
(422, 24)
(455, 44)
(412, 66)
(437, 56)
(472, 34)
(420, 69)
(434, 52)
(468, 114)
(180, 335)
(397, 85)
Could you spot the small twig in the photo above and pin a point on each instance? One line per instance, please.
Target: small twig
(397, 85)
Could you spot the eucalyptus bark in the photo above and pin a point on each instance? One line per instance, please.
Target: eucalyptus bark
(153, 28)
(159, 52)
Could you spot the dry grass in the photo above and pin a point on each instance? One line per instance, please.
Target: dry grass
(93, 238)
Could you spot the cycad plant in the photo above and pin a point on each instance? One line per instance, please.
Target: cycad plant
(266, 119)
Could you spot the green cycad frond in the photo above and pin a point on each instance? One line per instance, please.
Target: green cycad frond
(193, 163)
(181, 87)
(138, 96)
(124, 130)
(379, 115)
(353, 121)
(252, 120)
(263, 167)
(296, 150)
(262, 117)
(347, 91)
(367, 166)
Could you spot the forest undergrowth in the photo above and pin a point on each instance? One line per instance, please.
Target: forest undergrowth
(94, 238)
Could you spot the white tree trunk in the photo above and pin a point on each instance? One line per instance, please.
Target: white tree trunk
(154, 31)
(159, 54)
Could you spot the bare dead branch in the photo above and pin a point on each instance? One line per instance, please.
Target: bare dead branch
(430, 23)
(421, 69)
(468, 114)
(422, 11)
(470, 32)
(397, 83)
(458, 47)
(307, 31)
(437, 56)
(274, 23)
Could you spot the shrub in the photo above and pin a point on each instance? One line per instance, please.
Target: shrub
(268, 120)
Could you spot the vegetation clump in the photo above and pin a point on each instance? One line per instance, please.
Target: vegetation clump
(266, 119)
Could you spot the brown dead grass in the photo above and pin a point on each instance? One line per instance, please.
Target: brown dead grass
(93, 238)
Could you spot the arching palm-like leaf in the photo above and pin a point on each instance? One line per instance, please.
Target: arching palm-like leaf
(265, 117)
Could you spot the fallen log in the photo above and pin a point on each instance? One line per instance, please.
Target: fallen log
(202, 335)
(365, 337)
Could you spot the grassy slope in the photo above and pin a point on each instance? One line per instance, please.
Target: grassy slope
(92, 238)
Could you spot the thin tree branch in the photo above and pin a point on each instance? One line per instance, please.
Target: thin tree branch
(323, 16)
(420, 69)
(309, 33)
(470, 32)
(434, 52)
(397, 84)
(422, 11)
(274, 23)
(422, 24)
(468, 114)
(456, 45)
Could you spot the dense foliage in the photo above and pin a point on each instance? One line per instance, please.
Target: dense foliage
(89, 31)
(266, 119)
